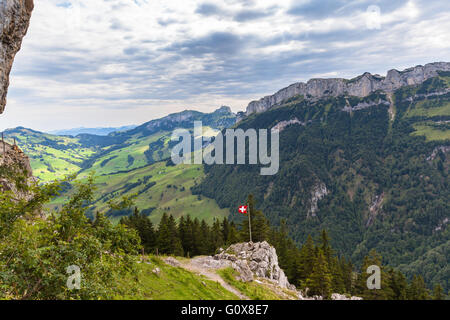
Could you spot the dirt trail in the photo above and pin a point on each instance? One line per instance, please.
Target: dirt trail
(211, 274)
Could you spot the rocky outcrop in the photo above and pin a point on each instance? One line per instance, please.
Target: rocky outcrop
(280, 126)
(360, 86)
(250, 260)
(318, 192)
(442, 224)
(337, 296)
(14, 20)
(365, 105)
(255, 260)
(421, 96)
(443, 149)
(375, 208)
(15, 171)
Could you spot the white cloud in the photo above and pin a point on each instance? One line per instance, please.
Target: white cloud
(114, 62)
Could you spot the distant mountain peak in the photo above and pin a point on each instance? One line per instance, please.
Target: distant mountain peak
(219, 119)
(223, 109)
(360, 86)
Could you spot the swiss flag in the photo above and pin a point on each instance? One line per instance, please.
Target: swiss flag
(243, 209)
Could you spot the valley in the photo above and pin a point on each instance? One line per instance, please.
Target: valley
(332, 188)
(371, 170)
(133, 163)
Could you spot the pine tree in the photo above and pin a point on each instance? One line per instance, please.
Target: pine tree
(189, 239)
(168, 240)
(259, 224)
(347, 275)
(308, 259)
(164, 236)
(325, 246)
(216, 237)
(175, 244)
(225, 229)
(438, 292)
(233, 235)
(319, 281)
(186, 236)
(337, 272)
(398, 285)
(417, 289)
(196, 238)
(144, 227)
(204, 239)
(373, 258)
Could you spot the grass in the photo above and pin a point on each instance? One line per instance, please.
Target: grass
(160, 188)
(253, 290)
(50, 162)
(118, 159)
(171, 284)
(136, 146)
(170, 193)
(431, 133)
(428, 108)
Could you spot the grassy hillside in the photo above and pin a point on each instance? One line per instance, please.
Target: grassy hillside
(54, 156)
(158, 188)
(172, 283)
(128, 163)
(51, 156)
(177, 283)
(135, 152)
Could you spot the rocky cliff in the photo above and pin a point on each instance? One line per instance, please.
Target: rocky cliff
(15, 171)
(360, 86)
(14, 20)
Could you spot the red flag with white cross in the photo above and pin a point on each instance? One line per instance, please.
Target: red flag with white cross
(243, 209)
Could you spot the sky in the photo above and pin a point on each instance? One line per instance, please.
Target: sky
(100, 63)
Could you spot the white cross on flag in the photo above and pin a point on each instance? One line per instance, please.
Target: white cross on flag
(243, 209)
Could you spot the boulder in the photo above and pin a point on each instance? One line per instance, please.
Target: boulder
(255, 260)
(172, 262)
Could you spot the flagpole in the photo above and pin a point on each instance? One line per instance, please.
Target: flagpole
(249, 223)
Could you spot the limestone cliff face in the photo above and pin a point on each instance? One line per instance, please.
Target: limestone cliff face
(14, 20)
(15, 171)
(360, 86)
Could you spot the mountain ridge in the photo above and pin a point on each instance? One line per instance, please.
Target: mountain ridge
(372, 170)
(360, 86)
(99, 131)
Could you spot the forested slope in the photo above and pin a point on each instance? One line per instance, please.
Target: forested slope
(373, 171)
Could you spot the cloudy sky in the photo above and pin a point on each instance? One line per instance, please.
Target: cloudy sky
(117, 62)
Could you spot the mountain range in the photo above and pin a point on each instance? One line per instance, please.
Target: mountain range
(99, 131)
(365, 158)
(128, 163)
(370, 166)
